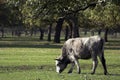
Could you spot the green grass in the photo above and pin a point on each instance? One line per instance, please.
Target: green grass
(34, 60)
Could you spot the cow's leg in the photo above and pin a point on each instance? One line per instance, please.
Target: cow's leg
(76, 63)
(72, 66)
(78, 66)
(102, 59)
(95, 63)
(73, 59)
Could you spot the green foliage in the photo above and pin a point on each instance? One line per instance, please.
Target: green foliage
(104, 16)
(112, 17)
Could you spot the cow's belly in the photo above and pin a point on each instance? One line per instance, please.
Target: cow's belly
(84, 55)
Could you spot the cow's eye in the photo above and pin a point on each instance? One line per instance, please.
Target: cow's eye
(58, 64)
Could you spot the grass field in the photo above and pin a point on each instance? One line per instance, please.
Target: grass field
(34, 60)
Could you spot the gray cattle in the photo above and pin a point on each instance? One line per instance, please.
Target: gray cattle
(81, 48)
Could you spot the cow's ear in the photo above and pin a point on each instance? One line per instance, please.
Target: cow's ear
(58, 59)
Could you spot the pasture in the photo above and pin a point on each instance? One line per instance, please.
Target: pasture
(34, 60)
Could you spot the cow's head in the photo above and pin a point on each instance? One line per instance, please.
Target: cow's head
(60, 65)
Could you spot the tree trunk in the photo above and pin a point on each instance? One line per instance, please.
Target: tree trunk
(85, 32)
(12, 32)
(92, 33)
(2, 31)
(35, 32)
(26, 32)
(106, 35)
(75, 27)
(66, 32)
(49, 32)
(58, 30)
(41, 33)
(18, 33)
(70, 34)
(99, 32)
(115, 33)
(31, 32)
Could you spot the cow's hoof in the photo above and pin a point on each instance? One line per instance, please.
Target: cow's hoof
(79, 72)
(92, 73)
(105, 73)
(69, 72)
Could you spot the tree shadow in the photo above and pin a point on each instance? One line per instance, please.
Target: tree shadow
(109, 74)
(114, 74)
(4, 69)
(27, 43)
(112, 48)
(113, 44)
(31, 46)
(115, 40)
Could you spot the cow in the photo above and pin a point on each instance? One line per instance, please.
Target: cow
(81, 48)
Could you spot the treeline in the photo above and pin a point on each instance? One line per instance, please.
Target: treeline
(45, 34)
(54, 16)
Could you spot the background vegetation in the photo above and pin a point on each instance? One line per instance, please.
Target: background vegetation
(71, 16)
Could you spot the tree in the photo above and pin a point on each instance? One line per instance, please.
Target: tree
(106, 17)
(112, 17)
(16, 17)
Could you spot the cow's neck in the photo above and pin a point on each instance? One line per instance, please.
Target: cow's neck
(65, 59)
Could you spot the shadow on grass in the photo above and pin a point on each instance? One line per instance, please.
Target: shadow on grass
(113, 44)
(114, 40)
(4, 69)
(113, 74)
(109, 74)
(20, 39)
(31, 46)
(28, 44)
(112, 48)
